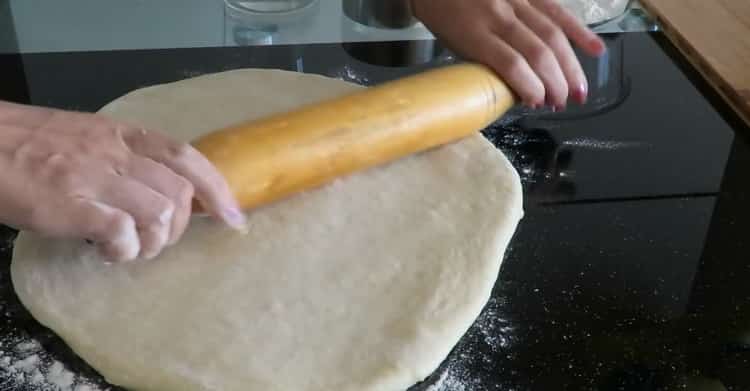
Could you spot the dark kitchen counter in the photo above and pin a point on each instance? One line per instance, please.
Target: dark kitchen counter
(629, 270)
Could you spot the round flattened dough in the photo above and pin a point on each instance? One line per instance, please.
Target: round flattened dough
(365, 284)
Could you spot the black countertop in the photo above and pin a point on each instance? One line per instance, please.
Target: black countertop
(628, 271)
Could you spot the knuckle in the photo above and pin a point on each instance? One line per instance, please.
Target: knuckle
(102, 120)
(119, 225)
(552, 35)
(541, 56)
(61, 172)
(505, 18)
(161, 216)
(500, 9)
(553, 8)
(100, 127)
(516, 66)
(507, 25)
(185, 191)
(136, 138)
(103, 139)
(179, 151)
(66, 181)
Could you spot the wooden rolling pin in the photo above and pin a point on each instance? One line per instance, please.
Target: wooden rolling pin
(270, 158)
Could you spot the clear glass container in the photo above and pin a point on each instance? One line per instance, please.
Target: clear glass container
(268, 6)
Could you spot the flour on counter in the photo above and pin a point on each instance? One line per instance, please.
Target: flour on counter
(25, 366)
(30, 346)
(589, 143)
(447, 382)
(487, 337)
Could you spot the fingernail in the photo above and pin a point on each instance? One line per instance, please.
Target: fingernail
(601, 47)
(581, 93)
(236, 219)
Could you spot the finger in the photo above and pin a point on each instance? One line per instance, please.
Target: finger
(556, 40)
(172, 186)
(151, 211)
(211, 188)
(113, 230)
(581, 35)
(514, 70)
(538, 55)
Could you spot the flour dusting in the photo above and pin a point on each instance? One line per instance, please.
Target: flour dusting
(487, 338)
(347, 73)
(603, 144)
(448, 381)
(25, 366)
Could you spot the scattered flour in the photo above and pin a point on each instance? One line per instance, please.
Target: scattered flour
(24, 365)
(488, 337)
(31, 346)
(603, 144)
(59, 376)
(37, 377)
(347, 73)
(595, 11)
(448, 382)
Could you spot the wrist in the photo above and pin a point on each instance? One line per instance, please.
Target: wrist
(25, 116)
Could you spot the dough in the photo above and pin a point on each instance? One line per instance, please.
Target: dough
(365, 284)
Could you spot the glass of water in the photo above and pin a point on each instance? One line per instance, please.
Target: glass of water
(268, 6)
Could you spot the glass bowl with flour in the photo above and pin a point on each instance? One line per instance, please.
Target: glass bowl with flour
(596, 12)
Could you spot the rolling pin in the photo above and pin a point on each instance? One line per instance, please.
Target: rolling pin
(267, 159)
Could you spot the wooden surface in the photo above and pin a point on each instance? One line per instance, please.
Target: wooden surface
(715, 36)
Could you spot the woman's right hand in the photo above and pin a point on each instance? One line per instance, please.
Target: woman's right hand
(83, 176)
(525, 41)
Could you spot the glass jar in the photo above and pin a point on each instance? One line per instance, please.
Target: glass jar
(268, 6)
